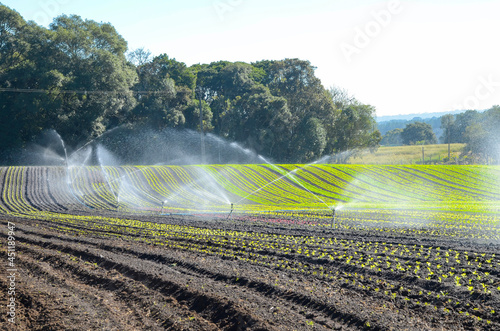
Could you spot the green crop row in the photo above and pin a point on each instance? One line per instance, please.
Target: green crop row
(252, 187)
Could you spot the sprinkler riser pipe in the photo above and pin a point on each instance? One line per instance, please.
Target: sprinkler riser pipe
(232, 208)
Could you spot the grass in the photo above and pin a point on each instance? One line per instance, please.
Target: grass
(434, 154)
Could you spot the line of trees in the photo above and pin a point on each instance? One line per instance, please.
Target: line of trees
(479, 131)
(414, 133)
(386, 126)
(77, 78)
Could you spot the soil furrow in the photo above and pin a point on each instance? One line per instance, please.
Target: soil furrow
(219, 310)
(266, 289)
(113, 293)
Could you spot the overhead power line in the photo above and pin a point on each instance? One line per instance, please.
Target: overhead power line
(24, 90)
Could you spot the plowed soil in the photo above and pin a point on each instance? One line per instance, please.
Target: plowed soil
(73, 281)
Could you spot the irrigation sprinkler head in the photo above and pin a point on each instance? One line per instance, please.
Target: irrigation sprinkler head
(162, 205)
(232, 207)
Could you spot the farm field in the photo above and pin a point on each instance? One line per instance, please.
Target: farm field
(255, 247)
(434, 154)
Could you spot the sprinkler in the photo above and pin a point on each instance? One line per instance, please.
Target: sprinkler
(163, 204)
(333, 217)
(232, 207)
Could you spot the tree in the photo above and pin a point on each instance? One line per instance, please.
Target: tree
(312, 141)
(165, 91)
(78, 73)
(260, 120)
(16, 114)
(192, 115)
(224, 84)
(481, 137)
(462, 122)
(418, 132)
(392, 138)
(447, 122)
(355, 127)
(281, 108)
(306, 98)
(13, 47)
(82, 83)
(243, 109)
(139, 56)
(341, 97)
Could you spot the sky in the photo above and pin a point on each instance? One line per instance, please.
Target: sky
(402, 57)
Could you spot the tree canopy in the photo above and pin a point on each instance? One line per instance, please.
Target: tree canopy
(392, 137)
(483, 136)
(418, 132)
(77, 78)
(72, 77)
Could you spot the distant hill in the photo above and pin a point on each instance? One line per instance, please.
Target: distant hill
(386, 126)
(408, 117)
(388, 123)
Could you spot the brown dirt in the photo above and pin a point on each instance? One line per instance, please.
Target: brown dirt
(69, 280)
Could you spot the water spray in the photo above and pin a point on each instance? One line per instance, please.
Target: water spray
(66, 164)
(64, 148)
(99, 136)
(232, 208)
(290, 176)
(162, 205)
